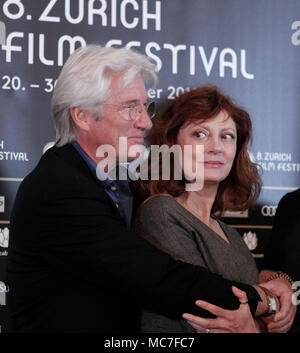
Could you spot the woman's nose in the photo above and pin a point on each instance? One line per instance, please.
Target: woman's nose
(214, 145)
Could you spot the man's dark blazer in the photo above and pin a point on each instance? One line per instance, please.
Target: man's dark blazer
(283, 250)
(74, 267)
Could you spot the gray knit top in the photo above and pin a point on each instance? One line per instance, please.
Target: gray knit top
(169, 226)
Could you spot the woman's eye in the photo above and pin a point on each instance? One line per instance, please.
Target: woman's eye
(228, 137)
(200, 134)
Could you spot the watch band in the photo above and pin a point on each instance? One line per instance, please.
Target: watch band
(283, 275)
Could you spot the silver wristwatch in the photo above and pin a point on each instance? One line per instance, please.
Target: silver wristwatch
(272, 305)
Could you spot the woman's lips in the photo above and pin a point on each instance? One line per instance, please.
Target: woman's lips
(213, 164)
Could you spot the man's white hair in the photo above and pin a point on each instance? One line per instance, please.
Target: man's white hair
(85, 81)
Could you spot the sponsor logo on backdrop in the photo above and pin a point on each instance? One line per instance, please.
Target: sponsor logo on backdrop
(131, 14)
(236, 214)
(4, 237)
(2, 204)
(268, 210)
(250, 238)
(3, 290)
(276, 162)
(296, 295)
(295, 38)
(4, 240)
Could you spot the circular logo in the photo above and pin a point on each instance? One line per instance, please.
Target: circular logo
(268, 210)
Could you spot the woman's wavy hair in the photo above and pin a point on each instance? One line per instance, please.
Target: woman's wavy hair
(241, 188)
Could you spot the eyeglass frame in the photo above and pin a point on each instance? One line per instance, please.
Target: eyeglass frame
(130, 109)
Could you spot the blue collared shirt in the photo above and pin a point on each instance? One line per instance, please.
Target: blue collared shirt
(118, 190)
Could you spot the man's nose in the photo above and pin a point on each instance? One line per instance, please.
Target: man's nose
(143, 122)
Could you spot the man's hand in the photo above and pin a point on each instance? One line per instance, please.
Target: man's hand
(283, 319)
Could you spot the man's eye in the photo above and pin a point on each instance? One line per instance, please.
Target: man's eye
(128, 107)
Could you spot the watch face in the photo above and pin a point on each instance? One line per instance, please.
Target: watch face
(272, 305)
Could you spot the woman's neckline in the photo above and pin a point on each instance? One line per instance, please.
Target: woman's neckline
(193, 216)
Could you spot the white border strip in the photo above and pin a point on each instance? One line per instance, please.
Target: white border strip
(285, 188)
(11, 179)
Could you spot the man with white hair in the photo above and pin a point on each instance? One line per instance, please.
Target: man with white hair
(73, 263)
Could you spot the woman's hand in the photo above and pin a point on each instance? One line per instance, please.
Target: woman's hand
(227, 321)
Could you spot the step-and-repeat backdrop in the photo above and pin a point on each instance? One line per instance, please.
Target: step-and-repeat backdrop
(249, 48)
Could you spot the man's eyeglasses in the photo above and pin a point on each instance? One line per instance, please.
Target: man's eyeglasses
(133, 112)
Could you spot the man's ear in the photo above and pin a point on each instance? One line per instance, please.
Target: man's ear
(81, 117)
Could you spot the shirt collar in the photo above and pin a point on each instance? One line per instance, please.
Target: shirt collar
(92, 165)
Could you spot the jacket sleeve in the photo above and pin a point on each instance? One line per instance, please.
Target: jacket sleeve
(84, 237)
(282, 251)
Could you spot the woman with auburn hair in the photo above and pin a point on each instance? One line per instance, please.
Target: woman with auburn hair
(184, 223)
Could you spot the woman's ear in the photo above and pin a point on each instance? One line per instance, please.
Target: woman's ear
(81, 117)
